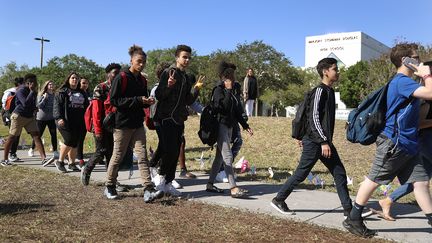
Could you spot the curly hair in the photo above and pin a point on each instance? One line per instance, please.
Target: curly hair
(226, 70)
(112, 66)
(136, 50)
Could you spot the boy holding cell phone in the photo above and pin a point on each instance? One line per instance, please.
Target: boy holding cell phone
(397, 145)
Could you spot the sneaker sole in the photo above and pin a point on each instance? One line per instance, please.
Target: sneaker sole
(62, 171)
(48, 162)
(280, 211)
(367, 213)
(355, 232)
(111, 197)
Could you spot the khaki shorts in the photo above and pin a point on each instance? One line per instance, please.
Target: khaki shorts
(19, 122)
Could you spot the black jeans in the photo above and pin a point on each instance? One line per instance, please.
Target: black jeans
(310, 155)
(171, 140)
(52, 130)
(157, 154)
(104, 148)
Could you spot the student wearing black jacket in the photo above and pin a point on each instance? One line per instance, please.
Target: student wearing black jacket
(70, 104)
(317, 143)
(130, 100)
(174, 93)
(229, 110)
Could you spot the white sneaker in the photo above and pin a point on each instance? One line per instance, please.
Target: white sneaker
(176, 185)
(171, 190)
(30, 152)
(161, 185)
(221, 177)
(154, 175)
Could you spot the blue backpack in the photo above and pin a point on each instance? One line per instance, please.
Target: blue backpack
(367, 121)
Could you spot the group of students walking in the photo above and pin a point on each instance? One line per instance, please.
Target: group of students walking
(124, 96)
(403, 147)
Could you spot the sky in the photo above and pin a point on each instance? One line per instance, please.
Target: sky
(104, 30)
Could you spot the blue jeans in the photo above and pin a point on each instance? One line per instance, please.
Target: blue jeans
(310, 155)
(401, 191)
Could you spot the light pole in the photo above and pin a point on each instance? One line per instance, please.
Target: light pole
(42, 40)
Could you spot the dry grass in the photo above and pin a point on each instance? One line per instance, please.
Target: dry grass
(39, 206)
(271, 146)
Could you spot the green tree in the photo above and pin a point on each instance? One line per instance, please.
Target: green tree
(58, 68)
(353, 83)
(9, 72)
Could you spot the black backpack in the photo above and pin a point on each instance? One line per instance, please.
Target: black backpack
(209, 125)
(300, 121)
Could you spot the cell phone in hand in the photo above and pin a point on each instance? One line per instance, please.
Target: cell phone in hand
(408, 60)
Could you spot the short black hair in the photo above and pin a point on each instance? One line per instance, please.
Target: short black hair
(181, 48)
(226, 70)
(136, 50)
(325, 63)
(112, 66)
(30, 77)
(18, 81)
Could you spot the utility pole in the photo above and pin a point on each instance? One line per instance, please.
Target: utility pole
(42, 40)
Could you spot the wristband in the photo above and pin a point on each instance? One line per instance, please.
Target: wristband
(427, 76)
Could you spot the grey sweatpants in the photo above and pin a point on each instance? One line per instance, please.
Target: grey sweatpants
(223, 155)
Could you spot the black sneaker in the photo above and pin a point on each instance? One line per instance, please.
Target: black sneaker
(357, 227)
(14, 158)
(73, 167)
(151, 194)
(6, 163)
(47, 161)
(282, 207)
(60, 166)
(85, 175)
(110, 192)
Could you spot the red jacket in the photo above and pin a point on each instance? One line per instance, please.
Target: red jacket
(101, 105)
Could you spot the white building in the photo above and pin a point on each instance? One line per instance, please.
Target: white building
(348, 48)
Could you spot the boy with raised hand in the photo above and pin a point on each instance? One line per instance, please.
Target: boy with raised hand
(397, 145)
(318, 140)
(176, 90)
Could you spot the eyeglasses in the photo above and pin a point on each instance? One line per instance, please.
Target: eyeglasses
(416, 57)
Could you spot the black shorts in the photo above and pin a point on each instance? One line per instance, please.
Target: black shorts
(71, 135)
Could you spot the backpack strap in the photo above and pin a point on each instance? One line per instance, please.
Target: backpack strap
(124, 82)
(396, 111)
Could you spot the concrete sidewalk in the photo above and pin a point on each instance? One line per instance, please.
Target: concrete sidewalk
(317, 207)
